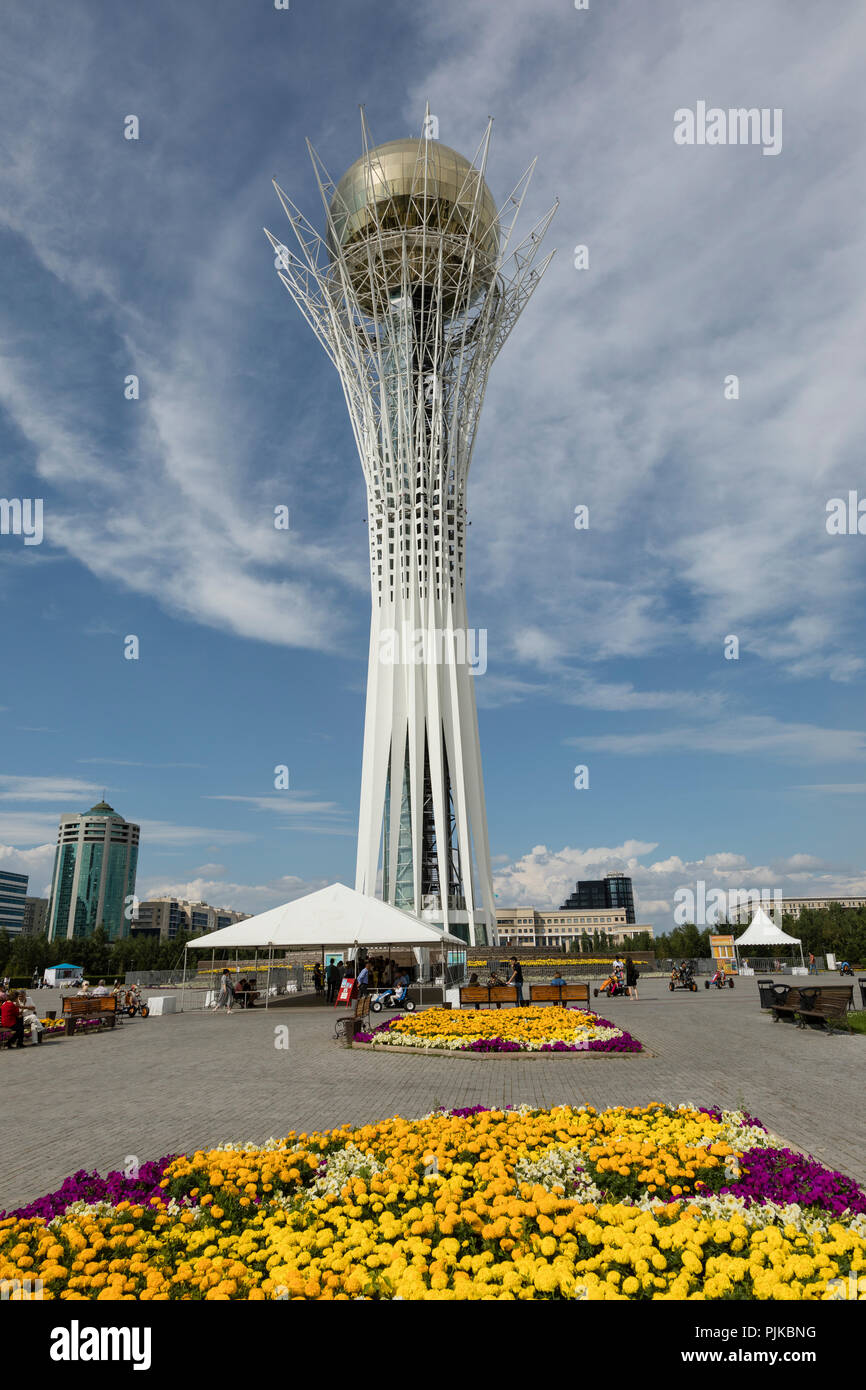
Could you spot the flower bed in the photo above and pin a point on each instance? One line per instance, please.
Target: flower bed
(90, 1025)
(53, 1025)
(532, 1029)
(545, 962)
(654, 1203)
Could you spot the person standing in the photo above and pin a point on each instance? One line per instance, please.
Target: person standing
(227, 992)
(516, 979)
(332, 978)
(631, 978)
(318, 978)
(363, 980)
(813, 964)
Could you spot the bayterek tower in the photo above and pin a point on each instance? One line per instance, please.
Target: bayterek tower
(412, 289)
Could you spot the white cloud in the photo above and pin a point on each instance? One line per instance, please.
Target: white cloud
(756, 735)
(37, 863)
(242, 897)
(544, 878)
(63, 790)
(706, 516)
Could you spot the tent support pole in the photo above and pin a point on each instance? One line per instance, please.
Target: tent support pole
(183, 981)
(268, 984)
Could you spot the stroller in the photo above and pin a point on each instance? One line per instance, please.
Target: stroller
(613, 986)
(720, 979)
(392, 998)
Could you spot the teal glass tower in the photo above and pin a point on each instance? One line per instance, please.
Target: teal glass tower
(94, 875)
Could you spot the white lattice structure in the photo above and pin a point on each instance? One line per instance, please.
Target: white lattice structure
(412, 292)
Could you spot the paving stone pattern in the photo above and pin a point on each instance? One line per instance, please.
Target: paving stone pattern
(180, 1082)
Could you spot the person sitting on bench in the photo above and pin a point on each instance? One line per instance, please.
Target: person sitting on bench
(30, 1016)
(12, 1018)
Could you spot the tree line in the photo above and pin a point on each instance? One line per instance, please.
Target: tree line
(836, 929)
(24, 956)
(841, 930)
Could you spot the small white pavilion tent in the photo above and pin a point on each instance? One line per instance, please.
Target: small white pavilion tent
(761, 931)
(334, 918)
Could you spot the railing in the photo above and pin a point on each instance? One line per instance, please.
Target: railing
(776, 965)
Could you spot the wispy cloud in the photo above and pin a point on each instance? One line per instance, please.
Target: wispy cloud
(128, 762)
(759, 735)
(65, 790)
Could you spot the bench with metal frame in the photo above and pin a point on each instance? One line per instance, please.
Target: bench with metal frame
(772, 993)
(818, 1005)
(538, 994)
(75, 1007)
(488, 994)
(358, 1017)
(560, 994)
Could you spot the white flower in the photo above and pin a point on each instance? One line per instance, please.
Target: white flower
(341, 1167)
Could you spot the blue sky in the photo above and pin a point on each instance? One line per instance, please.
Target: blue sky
(605, 646)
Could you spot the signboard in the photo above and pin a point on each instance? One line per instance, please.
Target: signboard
(722, 948)
(347, 990)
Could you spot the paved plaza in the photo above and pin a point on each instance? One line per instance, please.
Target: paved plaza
(173, 1084)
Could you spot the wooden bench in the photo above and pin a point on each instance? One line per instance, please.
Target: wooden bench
(819, 1005)
(861, 980)
(488, 994)
(357, 1018)
(538, 994)
(560, 994)
(103, 1007)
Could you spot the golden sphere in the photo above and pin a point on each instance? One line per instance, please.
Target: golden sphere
(422, 198)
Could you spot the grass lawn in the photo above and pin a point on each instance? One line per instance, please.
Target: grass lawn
(857, 1021)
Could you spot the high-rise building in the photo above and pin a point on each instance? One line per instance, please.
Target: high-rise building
(172, 917)
(13, 889)
(614, 890)
(94, 875)
(412, 291)
(35, 916)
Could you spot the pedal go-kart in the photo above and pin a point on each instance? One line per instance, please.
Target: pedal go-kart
(720, 979)
(134, 1004)
(392, 999)
(682, 978)
(613, 987)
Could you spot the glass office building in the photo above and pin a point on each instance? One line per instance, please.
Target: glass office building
(614, 890)
(94, 875)
(13, 890)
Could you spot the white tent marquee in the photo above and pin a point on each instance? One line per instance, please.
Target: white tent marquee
(761, 931)
(333, 918)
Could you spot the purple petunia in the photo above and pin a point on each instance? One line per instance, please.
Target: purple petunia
(781, 1175)
(382, 1028)
(713, 1112)
(90, 1187)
